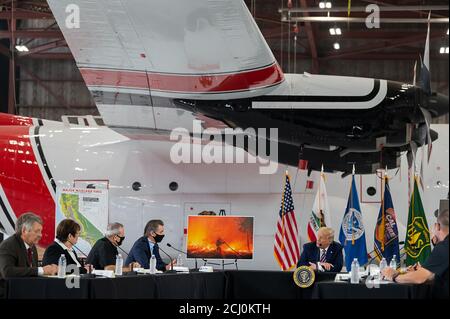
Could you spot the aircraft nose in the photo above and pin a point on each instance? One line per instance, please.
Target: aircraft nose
(438, 104)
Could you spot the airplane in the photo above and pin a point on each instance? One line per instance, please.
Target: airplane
(151, 72)
(159, 65)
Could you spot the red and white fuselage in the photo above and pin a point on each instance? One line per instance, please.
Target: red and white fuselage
(37, 159)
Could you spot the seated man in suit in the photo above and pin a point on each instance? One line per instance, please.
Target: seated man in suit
(18, 253)
(103, 254)
(147, 245)
(324, 254)
(67, 234)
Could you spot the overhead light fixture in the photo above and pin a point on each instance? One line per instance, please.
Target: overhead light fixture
(443, 50)
(337, 46)
(325, 5)
(335, 31)
(447, 31)
(22, 48)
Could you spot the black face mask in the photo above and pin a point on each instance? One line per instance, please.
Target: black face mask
(121, 239)
(158, 238)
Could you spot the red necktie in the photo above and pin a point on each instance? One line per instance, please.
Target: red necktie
(30, 256)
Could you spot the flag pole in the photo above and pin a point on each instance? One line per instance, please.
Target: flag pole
(282, 210)
(383, 216)
(351, 197)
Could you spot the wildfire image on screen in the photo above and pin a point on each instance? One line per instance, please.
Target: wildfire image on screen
(220, 237)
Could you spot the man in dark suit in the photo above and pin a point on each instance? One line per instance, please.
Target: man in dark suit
(67, 234)
(147, 245)
(18, 253)
(324, 254)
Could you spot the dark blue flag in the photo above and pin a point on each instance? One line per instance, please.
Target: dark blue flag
(352, 235)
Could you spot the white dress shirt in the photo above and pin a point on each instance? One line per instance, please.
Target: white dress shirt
(71, 253)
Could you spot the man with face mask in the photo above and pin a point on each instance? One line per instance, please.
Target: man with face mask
(103, 254)
(147, 245)
(436, 266)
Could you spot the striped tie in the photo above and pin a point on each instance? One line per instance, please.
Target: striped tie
(323, 256)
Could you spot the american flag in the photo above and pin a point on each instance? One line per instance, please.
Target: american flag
(286, 248)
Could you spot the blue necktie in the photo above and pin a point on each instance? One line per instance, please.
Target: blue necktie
(156, 253)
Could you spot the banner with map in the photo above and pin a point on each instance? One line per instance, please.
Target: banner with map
(88, 207)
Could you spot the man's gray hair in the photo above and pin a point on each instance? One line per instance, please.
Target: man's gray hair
(113, 229)
(27, 221)
(442, 218)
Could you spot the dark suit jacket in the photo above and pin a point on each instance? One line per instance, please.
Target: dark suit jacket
(14, 260)
(311, 253)
(140, 252)
(54, 251)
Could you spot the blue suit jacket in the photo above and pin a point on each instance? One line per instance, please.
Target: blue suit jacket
(140, 252)
(311, 253)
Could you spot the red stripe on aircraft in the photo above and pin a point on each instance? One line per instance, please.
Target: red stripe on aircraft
(212, 83)
(9, 119)
(22, 180)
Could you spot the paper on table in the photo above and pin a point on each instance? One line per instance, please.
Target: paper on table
(180, 269)
(145, 271)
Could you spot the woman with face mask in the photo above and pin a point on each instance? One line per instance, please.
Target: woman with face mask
(67, 234)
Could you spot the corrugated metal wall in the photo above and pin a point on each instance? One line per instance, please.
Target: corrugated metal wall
(51, 88)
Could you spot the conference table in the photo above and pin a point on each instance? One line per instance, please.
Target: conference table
(218, 285)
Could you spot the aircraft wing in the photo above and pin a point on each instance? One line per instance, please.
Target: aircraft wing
(196, 49)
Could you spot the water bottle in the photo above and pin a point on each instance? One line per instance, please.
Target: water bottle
(393, 263)
(153, 264)
(354, 272)
(119, 265)
(62, 264)
(383, 264)
(180, 260)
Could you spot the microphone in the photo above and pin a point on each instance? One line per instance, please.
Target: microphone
(123, 250)
(180, 251)
(171, 261)
(89, 273)
(84, 254)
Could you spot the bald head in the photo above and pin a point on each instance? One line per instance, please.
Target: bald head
(325, 236)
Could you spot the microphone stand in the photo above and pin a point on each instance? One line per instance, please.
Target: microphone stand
(171, 262)
(89, 273)
(123, 250)
(180, 251)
